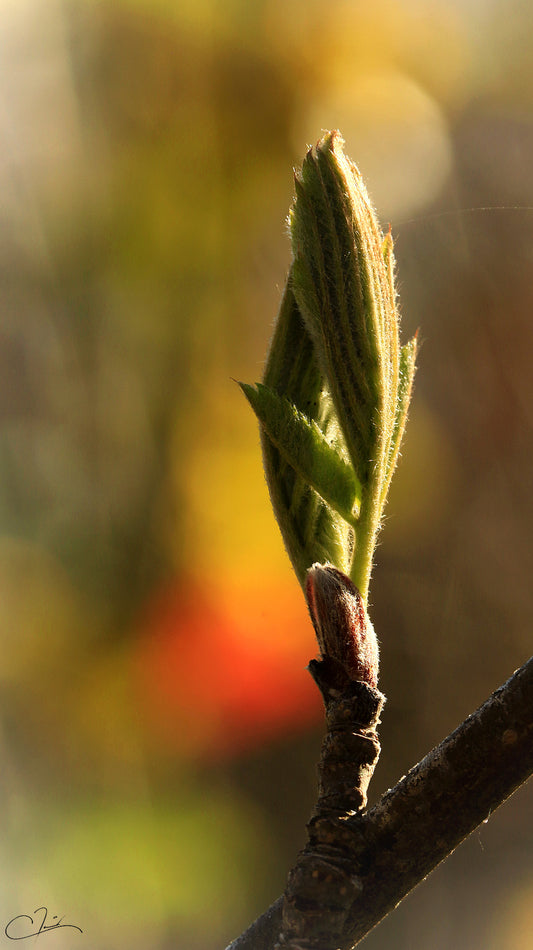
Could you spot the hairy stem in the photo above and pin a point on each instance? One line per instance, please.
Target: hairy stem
(365, 543)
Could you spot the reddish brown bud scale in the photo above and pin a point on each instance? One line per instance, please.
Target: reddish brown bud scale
(341, 623)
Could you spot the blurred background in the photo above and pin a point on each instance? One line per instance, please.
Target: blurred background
(159, 732)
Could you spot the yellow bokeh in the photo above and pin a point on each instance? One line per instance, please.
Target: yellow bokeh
(515, 926)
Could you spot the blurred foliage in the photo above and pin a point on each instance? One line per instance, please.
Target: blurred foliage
(156, 716)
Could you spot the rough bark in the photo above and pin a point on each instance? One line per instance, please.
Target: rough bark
(322, 887)
(427, 814)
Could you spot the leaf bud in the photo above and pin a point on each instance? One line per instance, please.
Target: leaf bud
(342, 626)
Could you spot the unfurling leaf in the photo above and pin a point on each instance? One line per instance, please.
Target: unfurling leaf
(343, 281)
(304, 446)
(337, 386)
(405, 385)
(311, 530)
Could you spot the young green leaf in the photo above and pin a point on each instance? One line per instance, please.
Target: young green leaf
(405, 385)
(311, 530)
(343, 281)
(339, 277)
(336, 388)
(306, 449)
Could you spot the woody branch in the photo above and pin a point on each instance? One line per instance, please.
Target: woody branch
(458, 785)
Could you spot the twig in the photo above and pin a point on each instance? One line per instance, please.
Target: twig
(322, 887)
(429, 812)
